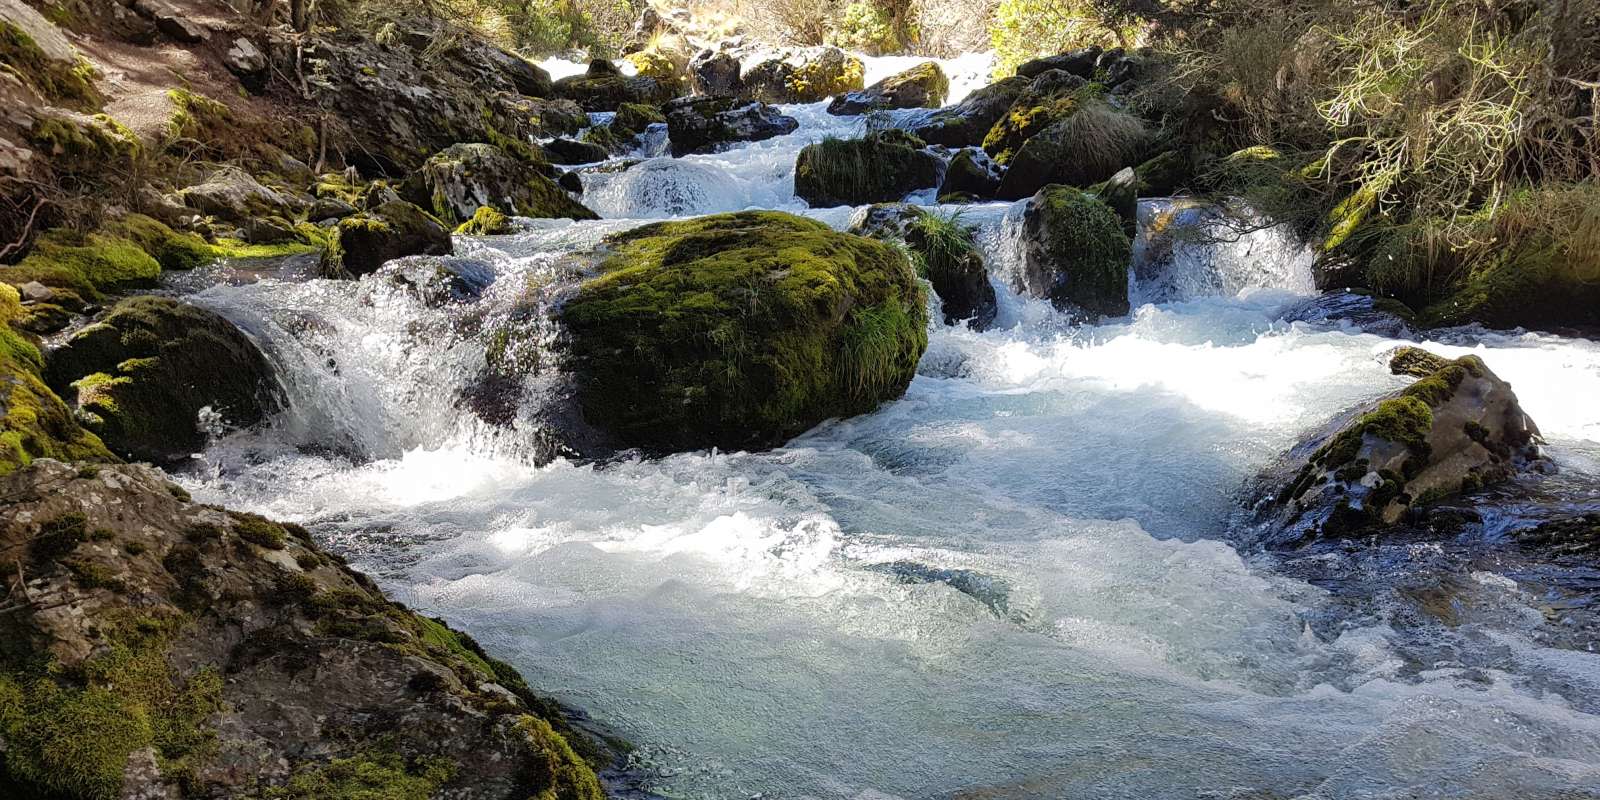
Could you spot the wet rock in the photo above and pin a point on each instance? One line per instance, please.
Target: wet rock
(802, 76)
(1358, 311)
(140, 377)
(1080, 62)
(1121, 192)
(258, 663)
(571, 151)
(633, 119)
(922, 86)
(943, 250)
(739, 331)
(967, 122)
(1084, 147)
(463, 177)
(366, 241)
(703, 124)
(883, 167)
(1574, 535)
(1075, 252)
(716, 72)
(1456, 430)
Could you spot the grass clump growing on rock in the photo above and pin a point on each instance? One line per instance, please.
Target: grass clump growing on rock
(882, 167)
(741, 330)
(369, 776)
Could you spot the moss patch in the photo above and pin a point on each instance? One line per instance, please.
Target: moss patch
(90, 265)
(882, 167)
(742, 330)
(1085, 237)
(485, 222)
(369, 776)
(71, 84)
(36, 423)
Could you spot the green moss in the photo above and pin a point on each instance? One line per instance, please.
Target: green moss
(85, 146)
(1406, 420)
(236, 248)
(440, 640)
(195, 116)
(555, 765)
(36, 424)
(69, 84)
(485, 222)
(880, 168)
(369, 776)
(1086, 234)
(69, 733)
(90, 265)
(171, 249)
(1031, 114)
(259, 530)
(633, 118)
(742, 329)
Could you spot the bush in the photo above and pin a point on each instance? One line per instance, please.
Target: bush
(1026, 29)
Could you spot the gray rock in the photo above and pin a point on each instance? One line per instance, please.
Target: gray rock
(702, 124)
(248, 63)
(233, 194)
(965, 123)
(463, 177)
(716, 72)
(922, 86)
(171, 21)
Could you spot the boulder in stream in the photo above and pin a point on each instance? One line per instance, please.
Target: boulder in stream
(167, 648)
(144, 376)
(970, 175)
(604, 88)
(922, 86)
(1084, 147)
(1075, 252)
(739, 331)
(460, 179)
(704, 124)
(882, 167)
(967, 122)
(363, 242)
(1458, 428)
(802, 76)
(943, 250)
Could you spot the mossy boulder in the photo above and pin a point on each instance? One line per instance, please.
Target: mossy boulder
(943, 250)
(34, 422)
(89, 264)
(1075, 252)
(85, 147)
(1046, 100)
(882, 167)
(460, 179)
(175, 649)
(485, 222)
(366, 241)
(140, 377)
(739, 331)
(1457, 429)
(604, 88)
(969, 121)
(1085, 147)
(804, 76)
(633, 119)
(576, 151)
(704, 124)
(922, 86)
(40, 57)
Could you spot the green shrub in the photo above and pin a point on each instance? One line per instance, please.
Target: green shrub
(1026, 29)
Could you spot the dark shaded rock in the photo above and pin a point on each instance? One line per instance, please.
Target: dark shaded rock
(605, 88)
(255, 663)
(1087, 146)
(633, 118)
(462, 178)
(1360, 311)
(1045, 101)
(270, 230)
(883, 167)
(716, 72)
(702, 124)
(972, 174)
(1079, 62)
(922, 86)
(140, 376)
(943, 251)
(329, 208)
(1457, 430)
(1576, 535)
(171, 21)
(1121, 192)
(740, 331)
(1075, 252)
(529, 79)
(366, 241)
(572, 151)
(967, 122)
(246, 61)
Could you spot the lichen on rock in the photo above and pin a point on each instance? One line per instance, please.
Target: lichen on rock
(740, 331)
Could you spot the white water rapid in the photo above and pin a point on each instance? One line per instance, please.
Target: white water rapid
(1018, 581)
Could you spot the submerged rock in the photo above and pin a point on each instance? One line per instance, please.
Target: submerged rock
(703, 124)
(883, 167)
(464, 177)
(1457, 429)
(364, 242)
(174, 649)
(1075, 252)
(943, 250)
(739, 331)
(1356, 311)
(922, 86)
(141, 377)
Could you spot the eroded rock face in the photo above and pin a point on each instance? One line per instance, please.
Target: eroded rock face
(739, 331)
(703, 124)
(1457, 429)
(140, 377)
(922, 86)
(1075, 252)
(174, 649)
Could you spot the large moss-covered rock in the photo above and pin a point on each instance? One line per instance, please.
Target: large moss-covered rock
(364, 242)
(703, 124)
(943, 250)
(140, 377)
(883, 167)
(1085, 147)
(969, 121)
(922, 86)
(740, 331)
(89, 264)
(1048, 99)
(1075, 252)
(603, 88)
(803, 76)
(169, 649)
(464, 177)
(633, 118)
(1457, 429)
(34, 422)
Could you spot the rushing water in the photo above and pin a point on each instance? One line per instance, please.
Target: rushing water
(1018, 581)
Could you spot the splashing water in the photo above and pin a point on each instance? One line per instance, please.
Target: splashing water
(1012, 583)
